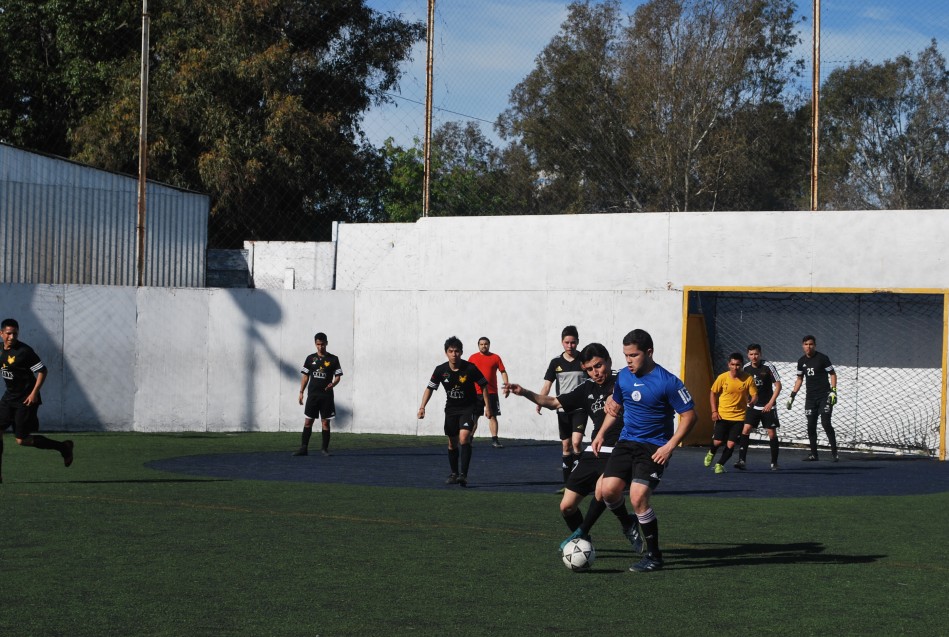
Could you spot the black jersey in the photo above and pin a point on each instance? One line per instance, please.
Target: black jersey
(591, 398)
(321, 371)
(459, 385)
(816, 372)
(566, 375)
(19, 367)
(765, 376)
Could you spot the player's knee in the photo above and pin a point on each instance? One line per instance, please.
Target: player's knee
(567, 509)
(26, 442)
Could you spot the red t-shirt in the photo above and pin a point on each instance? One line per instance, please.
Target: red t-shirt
(489, 365)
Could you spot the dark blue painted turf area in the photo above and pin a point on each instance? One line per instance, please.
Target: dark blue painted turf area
(534, 467)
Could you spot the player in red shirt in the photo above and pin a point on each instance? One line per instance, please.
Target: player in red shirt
(490, 364)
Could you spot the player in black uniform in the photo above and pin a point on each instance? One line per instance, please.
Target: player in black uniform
(590, 396)
(321, 373)
(24, 373)
(821, 395)
(565, 373)
(763, 412)
(462, 406)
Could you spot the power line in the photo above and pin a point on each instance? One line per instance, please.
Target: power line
(441, 110)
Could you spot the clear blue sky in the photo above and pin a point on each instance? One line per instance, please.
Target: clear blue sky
(483, 48)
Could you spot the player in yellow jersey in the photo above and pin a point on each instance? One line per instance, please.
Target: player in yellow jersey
(730, 396)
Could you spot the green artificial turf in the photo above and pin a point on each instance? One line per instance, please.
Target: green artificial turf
(109, 547)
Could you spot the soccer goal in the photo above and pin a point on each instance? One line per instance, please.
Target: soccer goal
(887, 349)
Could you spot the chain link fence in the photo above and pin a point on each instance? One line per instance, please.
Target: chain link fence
(885, 349)
(293, 114)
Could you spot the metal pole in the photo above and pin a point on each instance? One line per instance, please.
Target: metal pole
(815, 105)
(427, 143)
(142, 149)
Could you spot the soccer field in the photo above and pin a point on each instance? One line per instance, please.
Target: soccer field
(113, 547)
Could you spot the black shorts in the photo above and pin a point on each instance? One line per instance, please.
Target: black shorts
(817, 406)
(571, 422)
(727, 430)
(632, 462)
(322, 406)
(22, 417)
(585, 475)
(758, 417)
(493, 401)
(455, 422)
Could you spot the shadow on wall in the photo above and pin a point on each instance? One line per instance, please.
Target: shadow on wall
(262, 314)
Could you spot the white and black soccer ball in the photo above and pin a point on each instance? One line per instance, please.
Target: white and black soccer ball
(578, 554)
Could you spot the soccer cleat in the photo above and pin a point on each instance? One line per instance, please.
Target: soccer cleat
(834, 457)
(810, 458)
(462, 480)
(67, 454)
(649, 563)
(741, 465)
(452, 479)
(302, 451)
(708, 459)
(578, 533)
(497, 444)
(635, 538)
(561, 490)
(719, 468)
(325, 452)
(774, 466)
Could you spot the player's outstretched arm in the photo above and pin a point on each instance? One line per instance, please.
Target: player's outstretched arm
(550, 402)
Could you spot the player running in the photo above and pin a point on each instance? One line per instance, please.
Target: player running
(650, 396)
(731, 394)
(590, 396)
(24, 373)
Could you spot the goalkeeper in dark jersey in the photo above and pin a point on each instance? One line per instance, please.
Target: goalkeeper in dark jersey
(816, 369)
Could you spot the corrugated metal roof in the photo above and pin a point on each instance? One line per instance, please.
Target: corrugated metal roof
(62, 222)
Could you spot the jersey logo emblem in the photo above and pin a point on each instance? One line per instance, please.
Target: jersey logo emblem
(326, 363)
(462, 378)
(636, 396)
(11, 360)
(559, 369)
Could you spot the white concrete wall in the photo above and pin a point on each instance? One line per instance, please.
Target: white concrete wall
(156, 359)
(289, 265)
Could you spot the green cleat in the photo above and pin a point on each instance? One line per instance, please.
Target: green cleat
(719, 468)
(708, 459)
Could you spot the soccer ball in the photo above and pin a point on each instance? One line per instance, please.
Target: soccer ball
(578, 554)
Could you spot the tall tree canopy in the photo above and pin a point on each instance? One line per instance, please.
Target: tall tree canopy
(677, 107)
(885, 134)
(257, 102)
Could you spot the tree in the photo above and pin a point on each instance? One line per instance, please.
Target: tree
(885, 134)
(664, 113)
(469, 176)
(257, 102)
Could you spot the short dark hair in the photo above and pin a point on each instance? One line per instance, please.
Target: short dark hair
(454, 341)
(570, 330)
(809, 337)
(320, 336)
(592, 350)
(485, 338)
(754, 347)
(640, 338)
(9, 322)
(736, 356)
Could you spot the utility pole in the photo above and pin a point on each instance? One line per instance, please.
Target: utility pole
(427, 143)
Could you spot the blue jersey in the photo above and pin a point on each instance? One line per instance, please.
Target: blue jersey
(650, 404)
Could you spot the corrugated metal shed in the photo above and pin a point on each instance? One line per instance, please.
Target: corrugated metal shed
(64, 222)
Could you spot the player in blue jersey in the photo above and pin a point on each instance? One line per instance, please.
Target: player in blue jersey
(650, 396)
(591, 396)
